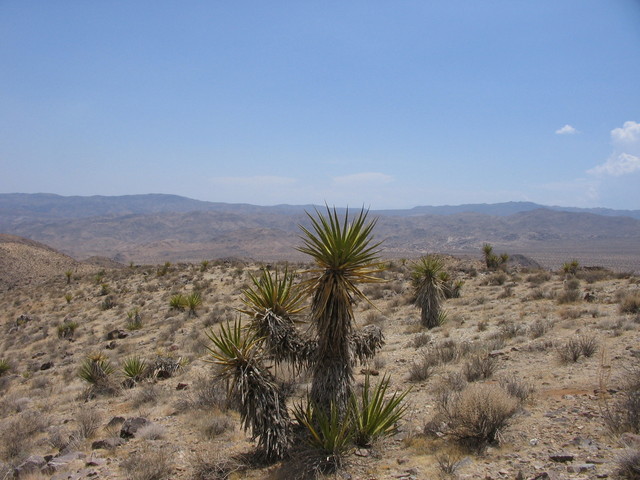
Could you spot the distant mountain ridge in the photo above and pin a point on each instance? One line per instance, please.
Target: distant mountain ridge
(156, 228)
(47, 205)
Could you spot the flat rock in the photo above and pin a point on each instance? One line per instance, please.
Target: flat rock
(131, 426)
(561, 457)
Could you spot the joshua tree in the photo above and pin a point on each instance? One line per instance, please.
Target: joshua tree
(492, 260)
(428, 284)
(344, 255)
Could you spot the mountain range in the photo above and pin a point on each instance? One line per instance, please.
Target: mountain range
(156, 228)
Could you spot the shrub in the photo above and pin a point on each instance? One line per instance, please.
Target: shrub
(571, 351)
(147, 464)
(538, 328)
(477, 414)
(630, 303)
(629, 464)
(5, 366)
(88, 422)
(624, 414)
(493, 261)
(479, 367)
(96, 369)
(68, 297)
(108, 303)
(134, 369)
(67, 328)
(135, 319)
(571, 268)
(517, 388)
(193, 301)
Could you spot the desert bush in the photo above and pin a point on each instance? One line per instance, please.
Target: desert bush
(477, 414)
(147, 464)
(135, 319)
(624, 414)
(479, 367)
(68, 297)
(67, 328)
(537, 279)
(108, 303)
(629, 464)
(422, 368)
(104, 289)
(493, 261)
(215, 424)
(577, 347)
(193, 301)
(517, 388)
(498, 278)
(151, 431)
(538, 328)
(630, 303)
(89, 420)
(511, 330)
(162, 271)
(18, 434)
(571, 268)
(570, 292)
(420, 340)
(96, 370)
(5, 366)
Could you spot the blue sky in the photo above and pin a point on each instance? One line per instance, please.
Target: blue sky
(382, 104)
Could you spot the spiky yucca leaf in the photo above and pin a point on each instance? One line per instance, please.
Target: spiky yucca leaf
(95, 369)
(330, 433)
(134, 368)
(273, 292)
(374, 416)
(261, 405)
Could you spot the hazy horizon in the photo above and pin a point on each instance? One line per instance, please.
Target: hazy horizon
(389, 106)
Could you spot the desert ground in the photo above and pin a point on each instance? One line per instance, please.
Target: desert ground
(558, 352)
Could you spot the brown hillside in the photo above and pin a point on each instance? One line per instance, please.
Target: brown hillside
(24, 261)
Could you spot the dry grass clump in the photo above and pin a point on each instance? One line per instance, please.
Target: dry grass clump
(537, 279)
(538, 328)
(629, 464)
(477, 415)
(89, 421)
(577, 347)
(479, 367)
(630, 303)
(18, 434)
(148, 464)
(624, 414)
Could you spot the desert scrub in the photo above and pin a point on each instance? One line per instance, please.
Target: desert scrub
(147, 464)
(479, 367)
(623, 415)
(577, 347)
(134, 369)
(178, 302)
(96, 370)
(134, 319)
(630, 303)
(193, 301)
(476, 415)
(67, 328)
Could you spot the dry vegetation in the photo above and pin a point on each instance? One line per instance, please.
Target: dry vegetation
(527, 375)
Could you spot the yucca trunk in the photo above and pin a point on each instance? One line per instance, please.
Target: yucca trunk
(429, 299)
(333, 366)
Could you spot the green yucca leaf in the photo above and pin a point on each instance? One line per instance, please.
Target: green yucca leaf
(373, 415)
(134, 367)
(273, 292)
(234, 346)
(330, 433)
(95, 369)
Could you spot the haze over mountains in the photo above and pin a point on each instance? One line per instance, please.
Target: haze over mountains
(156, 228)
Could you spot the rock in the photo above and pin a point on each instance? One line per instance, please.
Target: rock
(131, 426)
(31, 465)
(115, 421)
(182, 386)
(111, 345)
(107, 443)
(581, 468)
(46, 365)
(561, 457)
(362, 452)
(118, 333)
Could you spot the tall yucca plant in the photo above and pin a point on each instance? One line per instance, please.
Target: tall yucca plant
(262, 408)
(345, 255)
(428, 285)
(273, 301)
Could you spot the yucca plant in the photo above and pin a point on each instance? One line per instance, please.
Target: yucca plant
(68, 297)
(330, 433)
(67, 328)
(5, 366)
(262, 408)
(373, 415)
(135, 319)
(272, 302)
(428, 286)
(68, 274)
(134, 369)
(178, 302)
(204, 264)
(96, 369)
(193, 301)
(344, 255)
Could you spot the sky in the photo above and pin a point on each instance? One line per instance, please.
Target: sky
(382, 104)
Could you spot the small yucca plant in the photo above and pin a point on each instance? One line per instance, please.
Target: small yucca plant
(135, 319)
(429, 290)
(193, 301)
(67, 329)
(178, 302)
(330, 433)
(135, 368)
(68, 297)
(96, 369)
(373, 415)
(5, 366)
(204, 265)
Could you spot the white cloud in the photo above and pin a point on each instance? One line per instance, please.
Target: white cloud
(628, 134)
(566, 130)
(257, 181)
(625, 158)
(615, 166)
(362, 179)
